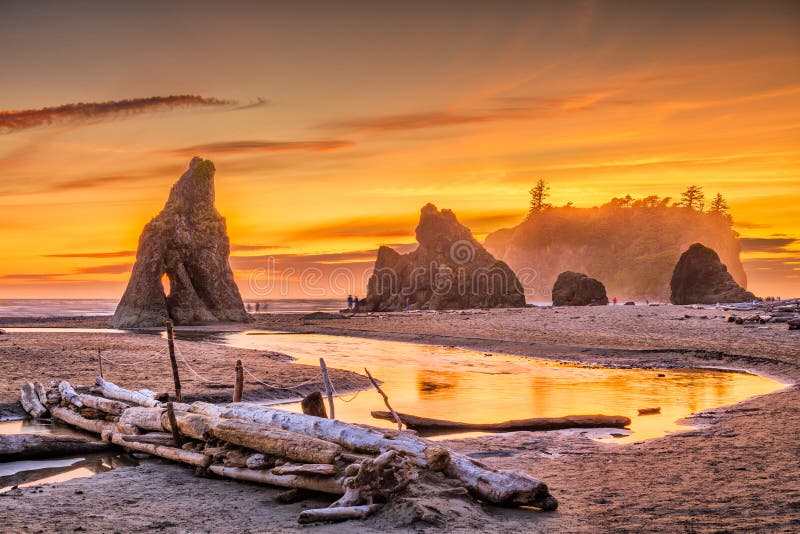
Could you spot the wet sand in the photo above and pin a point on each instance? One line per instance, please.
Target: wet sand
(738, 471)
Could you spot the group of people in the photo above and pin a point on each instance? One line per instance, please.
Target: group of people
(353, 304)
(257, 307)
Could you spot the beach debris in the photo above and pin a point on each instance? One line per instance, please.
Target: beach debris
(188, 243)
(363, 467)
(391, 413)
(649, 411)
(577, 289)
(700, 277)
(433, 426)
(326, 380)
(312, 404)
(449, 269)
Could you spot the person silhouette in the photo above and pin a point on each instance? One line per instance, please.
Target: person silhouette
(349, 302)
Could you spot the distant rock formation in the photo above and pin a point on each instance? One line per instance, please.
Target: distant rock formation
(188, 242)
(632, 250)
(701, 278)
(577, 289)
(448, 270)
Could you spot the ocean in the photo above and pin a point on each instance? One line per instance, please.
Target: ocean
(106, 307)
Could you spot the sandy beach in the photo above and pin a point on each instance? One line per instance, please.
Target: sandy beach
(736, 471)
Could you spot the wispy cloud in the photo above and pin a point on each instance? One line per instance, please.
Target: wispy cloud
(767, 244)
(235, 247)
(257, 103)
(88, 112)
(244, 147)
(115, 254)
(504, 109)
(116, 268)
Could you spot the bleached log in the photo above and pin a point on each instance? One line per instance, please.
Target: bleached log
(65, 415)
(68, 394)
(261, 438)
(41, 393)
(356, 437)
(319, 470)
(205, 408)
(331, 515)
(102, 404)
(321, 484)
(170, 453)
(259, 461)
(510, 488)
(540, 423)
(30, 401)
(23, 446)
(137, 418)
(155, 438)
(275, 441)
(113, 391)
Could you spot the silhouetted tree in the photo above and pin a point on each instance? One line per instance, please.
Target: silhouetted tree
(719, 206)
(693, 198)
(652, 201)
(539, 195)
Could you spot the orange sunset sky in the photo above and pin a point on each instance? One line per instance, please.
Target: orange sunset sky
(331, 124)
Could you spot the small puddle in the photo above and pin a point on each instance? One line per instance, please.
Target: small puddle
(474, 387)
(24, 473)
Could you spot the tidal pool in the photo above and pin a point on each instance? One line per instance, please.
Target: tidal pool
(24, 473)
(474, 387)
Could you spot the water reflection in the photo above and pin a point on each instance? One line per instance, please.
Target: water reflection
(469, 386)
(37, 472)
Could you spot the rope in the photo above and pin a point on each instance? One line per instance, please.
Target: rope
(251, 375)
(191, 370)
(337, 394)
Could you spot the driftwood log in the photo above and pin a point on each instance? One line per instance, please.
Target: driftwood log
(30, 401)
(15, 447)
(425, 424)
(365, 467)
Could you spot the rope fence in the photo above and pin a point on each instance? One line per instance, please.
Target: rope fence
(157, 357)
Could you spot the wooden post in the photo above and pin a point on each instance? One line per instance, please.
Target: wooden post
(238, 388)
(100, 362)
(313, 404)
(328, 388)
(173, 424)
(175, 376)
(385, 400)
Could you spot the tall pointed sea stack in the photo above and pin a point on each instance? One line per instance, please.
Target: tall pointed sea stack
(448, 270)
(188, 242)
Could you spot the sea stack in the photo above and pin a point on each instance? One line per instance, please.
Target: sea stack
(701, 278)
(448, 270)
(188, 242)
(578, 289)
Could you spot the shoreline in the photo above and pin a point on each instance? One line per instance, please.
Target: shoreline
(735, 469)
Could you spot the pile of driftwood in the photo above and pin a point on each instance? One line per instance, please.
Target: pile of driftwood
(363, 466)
(763, 312)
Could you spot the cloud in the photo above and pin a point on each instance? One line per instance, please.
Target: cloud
(767, 244)
(88, 112)
(243, 248)
(240, 147)
(115, 254)
(362, 227)
(505, 109)
(258, 103)
(20, 187)
(301, 261)
(117, 268)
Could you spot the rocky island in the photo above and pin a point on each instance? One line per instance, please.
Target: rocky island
(187, 242)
